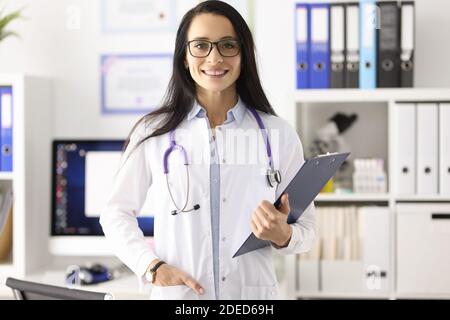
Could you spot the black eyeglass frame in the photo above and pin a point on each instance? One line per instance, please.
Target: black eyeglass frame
(211, 46)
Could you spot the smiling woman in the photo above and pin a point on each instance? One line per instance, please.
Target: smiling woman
(210, 21)
(204, 210)
(214, 66)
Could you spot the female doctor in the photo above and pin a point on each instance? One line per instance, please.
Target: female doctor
(205, 201)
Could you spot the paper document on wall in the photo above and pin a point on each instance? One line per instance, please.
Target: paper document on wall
(134, 83)
(138, 15)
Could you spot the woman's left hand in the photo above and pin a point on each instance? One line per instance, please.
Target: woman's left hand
(270, 223)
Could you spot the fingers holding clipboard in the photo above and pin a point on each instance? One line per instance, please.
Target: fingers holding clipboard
(303, 189)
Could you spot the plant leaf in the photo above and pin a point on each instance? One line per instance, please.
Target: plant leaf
(6, 34)
(4, 21)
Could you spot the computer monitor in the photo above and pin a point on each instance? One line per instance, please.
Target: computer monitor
(82, 177)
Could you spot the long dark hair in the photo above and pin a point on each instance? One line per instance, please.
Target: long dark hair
(181, 91)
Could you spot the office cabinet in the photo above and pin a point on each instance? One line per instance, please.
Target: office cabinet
(423, 246)
(342, 276)
(30, 175)
(376, 135)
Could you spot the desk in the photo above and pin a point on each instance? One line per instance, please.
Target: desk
(124, 288)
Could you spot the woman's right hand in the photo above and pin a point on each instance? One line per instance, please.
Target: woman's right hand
(168, 275)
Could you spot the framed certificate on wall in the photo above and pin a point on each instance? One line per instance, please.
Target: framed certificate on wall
(133, 83)
(138, 15)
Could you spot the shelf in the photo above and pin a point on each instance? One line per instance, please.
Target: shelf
(6, 176)
(433, 296)
(32, 100)
(422, 198)
(342, 295)
(367, 295)
(382, 197)
(372, 95)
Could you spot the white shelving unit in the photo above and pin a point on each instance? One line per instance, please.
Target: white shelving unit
(6, 176)
(313, 108)
(341, 295)
(30, 179)
(371, 95)
(323, 197)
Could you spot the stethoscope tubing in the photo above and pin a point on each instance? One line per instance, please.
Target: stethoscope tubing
(273, 176)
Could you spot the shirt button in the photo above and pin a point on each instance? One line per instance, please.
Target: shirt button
(224, 278)
(224, 238)
(224, 199)
(223, 160)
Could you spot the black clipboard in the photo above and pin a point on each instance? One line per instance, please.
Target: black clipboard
(302, 190)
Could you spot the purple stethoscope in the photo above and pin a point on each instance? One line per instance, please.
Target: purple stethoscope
(273, 176)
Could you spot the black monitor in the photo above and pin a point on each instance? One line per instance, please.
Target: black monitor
(82, 175)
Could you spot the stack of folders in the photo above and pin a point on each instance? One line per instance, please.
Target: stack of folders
(422, 142)
(351, 248)
(6, 126)
(365, 44)
(337, 235)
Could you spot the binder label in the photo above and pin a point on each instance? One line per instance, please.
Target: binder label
(370, 19)
(302, 32)
(6, 111)
(319, 22)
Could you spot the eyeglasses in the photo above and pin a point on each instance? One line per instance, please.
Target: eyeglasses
(202, 48)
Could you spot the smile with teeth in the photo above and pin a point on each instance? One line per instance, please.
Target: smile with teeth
(215, 73)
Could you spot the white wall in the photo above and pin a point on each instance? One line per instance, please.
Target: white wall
(50, 46)
(71, 56)
(274, 36)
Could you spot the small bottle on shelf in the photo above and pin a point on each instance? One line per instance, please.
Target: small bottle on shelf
(369, 176)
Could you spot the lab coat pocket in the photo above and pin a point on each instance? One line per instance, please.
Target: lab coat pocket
(259, 293)
(181, 292)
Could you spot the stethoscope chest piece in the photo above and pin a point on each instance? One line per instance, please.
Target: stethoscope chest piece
(273, 177)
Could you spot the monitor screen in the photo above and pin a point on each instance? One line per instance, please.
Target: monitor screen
(82, 176)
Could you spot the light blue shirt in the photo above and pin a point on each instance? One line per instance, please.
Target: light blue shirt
(234, 114)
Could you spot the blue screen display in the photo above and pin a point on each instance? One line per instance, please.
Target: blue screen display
(68, 188)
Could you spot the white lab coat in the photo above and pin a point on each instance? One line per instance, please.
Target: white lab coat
(185, 240)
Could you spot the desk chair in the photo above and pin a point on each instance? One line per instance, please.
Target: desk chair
(26, 290)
